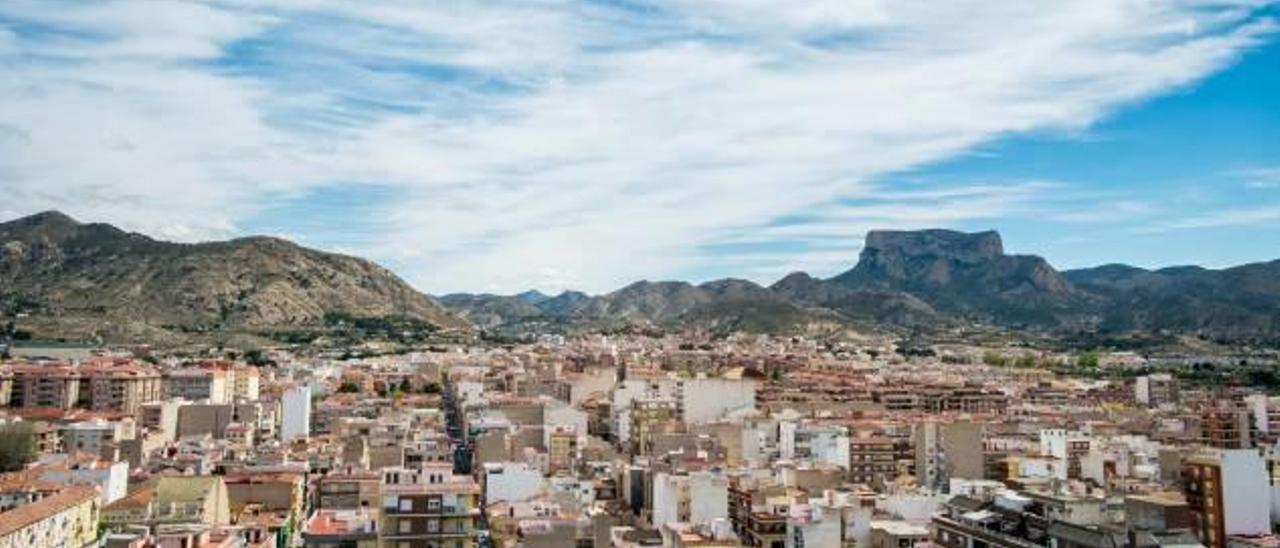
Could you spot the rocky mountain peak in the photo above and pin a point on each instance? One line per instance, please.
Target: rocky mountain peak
(962, 247)
(51, 224)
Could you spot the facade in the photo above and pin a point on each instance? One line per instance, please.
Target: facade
(172, 501)
(111, 478)
(197, 384)
(948, 450)
(205, 419)
(1155, 390)
(1227, 493)
(123, 388)
(66, 518)
(97, 437)
(295, 412)
(896, 534)
(246, 382)
(872, 460)
(45, 386)
(697, 498)
(429, 506)
(694, 407)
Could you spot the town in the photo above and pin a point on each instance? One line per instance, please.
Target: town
(629, 441)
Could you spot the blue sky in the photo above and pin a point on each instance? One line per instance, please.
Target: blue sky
(500, 145)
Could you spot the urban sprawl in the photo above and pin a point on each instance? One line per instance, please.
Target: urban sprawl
(629, 441)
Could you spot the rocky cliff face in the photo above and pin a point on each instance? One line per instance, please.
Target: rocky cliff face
(52, 265)
(964, 274)
(939, 278)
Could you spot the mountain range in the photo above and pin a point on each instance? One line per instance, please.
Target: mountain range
(928, 279)
(53, 266)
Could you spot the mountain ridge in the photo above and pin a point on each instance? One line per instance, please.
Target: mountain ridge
(942, 278)
(927, 279)
(53, 265)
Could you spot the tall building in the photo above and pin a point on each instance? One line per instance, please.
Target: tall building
(1227, 493)
(1227, 425)
(197, 384)
(429, 506)
(45, 386)
(694, 407)
(245, 383)
(295, 413)
(872, 460)
(1155, 390)
(950, 450)
(121, 387)
(696, 497)
(1068, 447)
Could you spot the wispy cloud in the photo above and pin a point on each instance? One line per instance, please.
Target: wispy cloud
(1260, 177)
(1266, 215)
(557, 143)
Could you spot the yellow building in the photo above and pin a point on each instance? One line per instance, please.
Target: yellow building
(172, 500)
(67, 518)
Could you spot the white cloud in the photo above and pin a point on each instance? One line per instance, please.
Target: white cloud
(1266, 215)
(1260, 177)
(559, 143)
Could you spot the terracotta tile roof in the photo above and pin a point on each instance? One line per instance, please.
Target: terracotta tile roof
(26, 481)
(137, 498)
(23, 516)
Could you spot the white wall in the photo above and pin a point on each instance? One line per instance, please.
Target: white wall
(556, 414)
(708, 497)
(511, 482)
(296, 413)
(112, 480)
(666, 498)
(813, 533)
(707, 400)
(1246, 496)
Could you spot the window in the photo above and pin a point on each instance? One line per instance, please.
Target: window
(406, 526)
(406, 505)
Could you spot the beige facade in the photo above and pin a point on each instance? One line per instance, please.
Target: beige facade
(120, 388)
(198, 384)
(67, 518)
(172, 500)
(45, 386)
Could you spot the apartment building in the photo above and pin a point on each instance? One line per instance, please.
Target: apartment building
(45, 386)
(872, 460)
(429, 507)
(1228, 493)
(123, 388)
(198, 384)
(63, 518)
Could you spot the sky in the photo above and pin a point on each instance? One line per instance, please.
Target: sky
(496, 146)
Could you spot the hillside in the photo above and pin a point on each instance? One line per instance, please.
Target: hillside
(935, 279)
(54, 266)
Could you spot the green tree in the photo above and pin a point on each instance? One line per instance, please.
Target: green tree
(994, 359)
(258, 357)
(17, 446)
(1088, 360)
(1026, 361)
